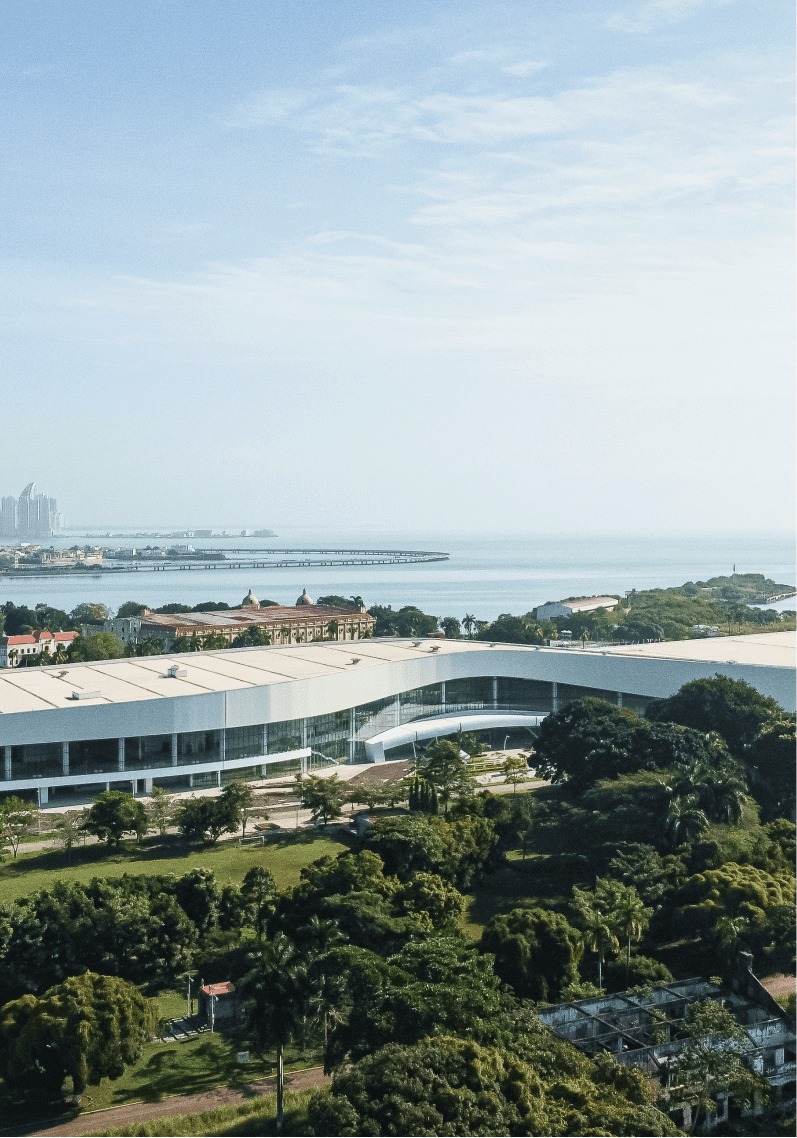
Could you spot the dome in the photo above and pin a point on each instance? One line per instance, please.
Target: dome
(304, 599)
(250, 599)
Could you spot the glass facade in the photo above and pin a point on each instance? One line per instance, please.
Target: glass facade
(36, 760)
(284, 736)
(336, 737)
(469, 695)
(94, 756)
(525, 695)
(568, 692)
(198, 747)
(244, 742)
(143, 752)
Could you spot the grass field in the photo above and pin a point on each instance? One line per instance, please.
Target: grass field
(229, 861)
(190, 1067)
(255, 1118)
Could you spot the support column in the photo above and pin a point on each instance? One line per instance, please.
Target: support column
(44, 795)
(174, 749)
(303, 761)
(495, 692)
(619, 699)
(6, 762)
(65, 758)
(148, 785)
(397, 711)
(304, 732)
(442, 695)
(554, 697)
(265, 738)
(120, 743)
(352, 728)
(218, 778)
(223, 745)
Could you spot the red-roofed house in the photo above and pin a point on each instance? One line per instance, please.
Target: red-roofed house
(15, 649)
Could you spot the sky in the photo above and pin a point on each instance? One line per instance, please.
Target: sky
(514, 266)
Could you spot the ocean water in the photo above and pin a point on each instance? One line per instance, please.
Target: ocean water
(486, 574)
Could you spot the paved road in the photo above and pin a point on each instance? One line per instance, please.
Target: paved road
(136, 1113)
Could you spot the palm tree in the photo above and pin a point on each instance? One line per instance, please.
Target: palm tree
(275, 990)
(685, 819)
(598, 936)
(469, 623)
(632, 918)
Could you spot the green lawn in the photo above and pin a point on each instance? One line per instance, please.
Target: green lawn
(284, 858)
(190, 1067)
(256, 1117)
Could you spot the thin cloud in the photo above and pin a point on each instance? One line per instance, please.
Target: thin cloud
(654, 14)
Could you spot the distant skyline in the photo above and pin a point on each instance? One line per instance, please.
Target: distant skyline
(507, 267)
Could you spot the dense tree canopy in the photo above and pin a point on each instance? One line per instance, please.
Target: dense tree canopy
(731, 707)
(114, 814)
(536, 951)
(591, 739)
(87, 1028)
(451, 1085)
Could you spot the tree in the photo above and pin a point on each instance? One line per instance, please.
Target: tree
(161, 808)
(101, 646)
(447, 770)
(451, 627)
(711, 1060)
(114, 814)
(259, 891)
(198, 895)
(452, 1085)
(516, 771)
(598, 937)
(536, 952)
(131, 608)
(770, 759)
(469, 623)
(206, 819)
(274, 991)
(85, 613)
(685, 819)
(426, 893)
(87, 1028)
(322, 796)
(592, 739)
(16, 818)
(632, 918)
(68, 828)
(238, 798)
(254, 637)
(731, 707)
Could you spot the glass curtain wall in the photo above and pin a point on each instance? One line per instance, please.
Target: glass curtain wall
(198, 747)
(36, 760)
(525, 695)
(244, 742)
(143, 752)
(568, 692)
(94, 756)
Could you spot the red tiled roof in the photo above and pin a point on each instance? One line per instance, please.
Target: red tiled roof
(226, 988)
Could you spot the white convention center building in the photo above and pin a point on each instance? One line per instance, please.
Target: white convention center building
(204, 719)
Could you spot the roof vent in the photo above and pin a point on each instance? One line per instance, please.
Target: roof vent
(435, 649)
(86, 694)
(356, 660)
(176, 671)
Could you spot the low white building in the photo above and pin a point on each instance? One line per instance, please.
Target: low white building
(574, 605)
(200, 719)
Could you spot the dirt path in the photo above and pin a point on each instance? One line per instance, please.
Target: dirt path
(138, 1112)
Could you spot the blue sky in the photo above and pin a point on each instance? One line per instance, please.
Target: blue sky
(510, 266)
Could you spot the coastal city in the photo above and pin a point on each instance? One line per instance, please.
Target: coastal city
(398, 575)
